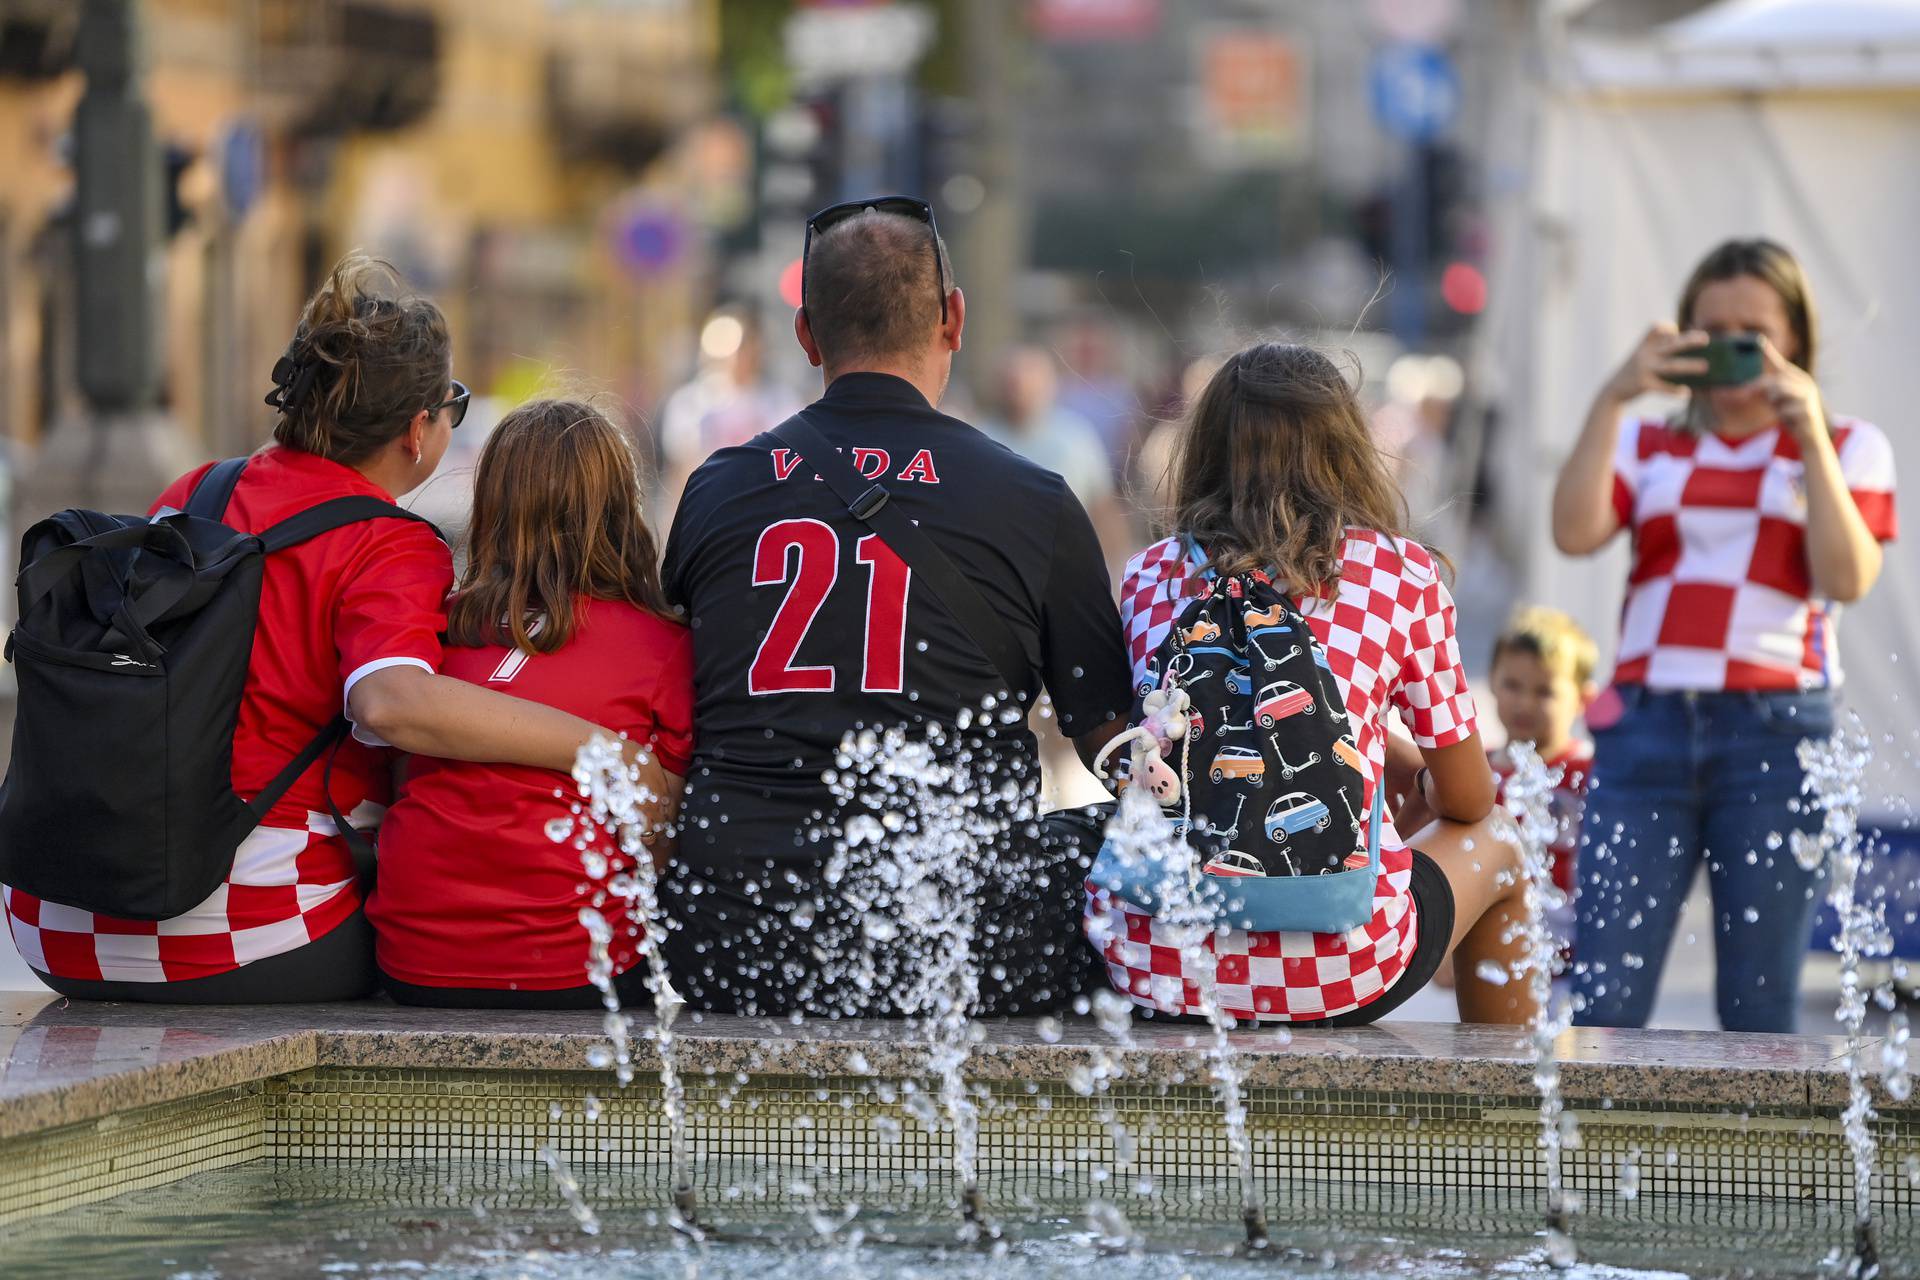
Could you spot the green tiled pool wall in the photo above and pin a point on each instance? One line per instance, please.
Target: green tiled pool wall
(144, 1147)
(813, 1138)
(1112, 1138)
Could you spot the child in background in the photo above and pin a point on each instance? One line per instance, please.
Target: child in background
(1542, 679)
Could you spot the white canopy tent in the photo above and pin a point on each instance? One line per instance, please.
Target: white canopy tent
(1795, 119)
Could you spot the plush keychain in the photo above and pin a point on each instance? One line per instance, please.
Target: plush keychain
(1166, 723)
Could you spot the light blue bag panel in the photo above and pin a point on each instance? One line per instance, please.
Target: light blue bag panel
(1332, 903)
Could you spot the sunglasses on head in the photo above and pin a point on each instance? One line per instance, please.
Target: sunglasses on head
(457, 402)
(905, 206)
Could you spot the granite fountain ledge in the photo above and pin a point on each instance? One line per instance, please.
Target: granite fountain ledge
(67, 1062)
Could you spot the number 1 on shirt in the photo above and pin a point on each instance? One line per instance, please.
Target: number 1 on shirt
(814, 571)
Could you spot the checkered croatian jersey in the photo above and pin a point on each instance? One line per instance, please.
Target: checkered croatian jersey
(1388, 633)
(1720, 595)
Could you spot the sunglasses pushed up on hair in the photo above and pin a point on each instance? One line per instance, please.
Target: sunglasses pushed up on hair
(905, 206)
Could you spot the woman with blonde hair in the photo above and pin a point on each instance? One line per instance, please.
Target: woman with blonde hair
(478, 904)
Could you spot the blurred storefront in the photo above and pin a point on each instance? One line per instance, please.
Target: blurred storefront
(545, 169)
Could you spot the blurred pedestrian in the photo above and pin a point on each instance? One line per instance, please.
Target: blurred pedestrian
(1754, 516)
(727, 402)
(1029, 419)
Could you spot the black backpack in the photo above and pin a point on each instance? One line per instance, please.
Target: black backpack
(131, 652)
(1271, 797)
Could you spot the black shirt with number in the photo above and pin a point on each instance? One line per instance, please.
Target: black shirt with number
(807, 627)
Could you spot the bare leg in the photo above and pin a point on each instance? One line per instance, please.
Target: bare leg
(1483, 869)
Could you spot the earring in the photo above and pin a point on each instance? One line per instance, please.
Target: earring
(416, 457)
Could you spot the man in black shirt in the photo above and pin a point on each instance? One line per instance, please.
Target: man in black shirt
(807, 627)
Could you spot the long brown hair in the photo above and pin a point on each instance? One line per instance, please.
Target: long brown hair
(1773, 265)
(556, 515)
(1275, 461)
(366, 356)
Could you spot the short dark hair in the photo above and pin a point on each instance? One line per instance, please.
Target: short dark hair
(872, 288)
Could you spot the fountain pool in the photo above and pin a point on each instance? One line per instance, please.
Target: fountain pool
(374, 1140)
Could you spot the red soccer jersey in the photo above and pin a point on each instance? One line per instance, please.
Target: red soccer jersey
(332, 609)
(473, 891)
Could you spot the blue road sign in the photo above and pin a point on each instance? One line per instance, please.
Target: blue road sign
(1415, 90)
(243, 165)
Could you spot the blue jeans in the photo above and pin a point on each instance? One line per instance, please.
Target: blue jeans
(1681, 778)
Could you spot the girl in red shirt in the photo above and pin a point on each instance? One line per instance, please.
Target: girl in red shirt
(367, 407)
(478, 905)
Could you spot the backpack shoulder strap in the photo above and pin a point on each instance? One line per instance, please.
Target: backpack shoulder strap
(867, 501)
(215, 489)
(335, 513)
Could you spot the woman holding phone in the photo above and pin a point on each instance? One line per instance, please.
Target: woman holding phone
(1754, 515)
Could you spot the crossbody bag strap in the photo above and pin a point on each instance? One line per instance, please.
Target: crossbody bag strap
(868, 502)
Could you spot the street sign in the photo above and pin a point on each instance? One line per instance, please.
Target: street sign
(1253, 97)
(1068, 21)
(648, 239)
(242, 166)
(1415, 91)
(1422, 20)
(844, 41)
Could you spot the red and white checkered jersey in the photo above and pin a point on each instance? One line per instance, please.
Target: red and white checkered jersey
(1720, 595)
(1388, 631)
(332, 610)
(1264, 976)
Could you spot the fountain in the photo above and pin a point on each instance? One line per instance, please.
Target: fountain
(913, 854)
(1529, 792)
(616, 803)
(1141, 833)
(1835, 770)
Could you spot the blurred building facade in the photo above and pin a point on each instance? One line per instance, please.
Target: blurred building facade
(545, 170)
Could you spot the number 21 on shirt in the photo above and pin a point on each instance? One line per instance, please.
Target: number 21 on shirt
(805, 554)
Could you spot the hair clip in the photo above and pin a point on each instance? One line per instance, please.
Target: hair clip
(292, 382)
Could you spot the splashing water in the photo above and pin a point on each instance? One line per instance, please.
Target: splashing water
(1141, 833)
(1835, 770)
(617, 803)
(569, 1188)
(1529, 793)
(923, 839)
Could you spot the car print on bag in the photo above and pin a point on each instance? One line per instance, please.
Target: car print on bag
(1293, 813)
(1271, 618)
(1348, 754)
(1238, 762)
(1232, 862)
(1205, 631)
(1280, 700)
(1239, 684)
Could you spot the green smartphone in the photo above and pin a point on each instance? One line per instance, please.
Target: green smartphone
(1732, 360)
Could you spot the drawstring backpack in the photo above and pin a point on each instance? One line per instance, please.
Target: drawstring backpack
(1244, 740)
